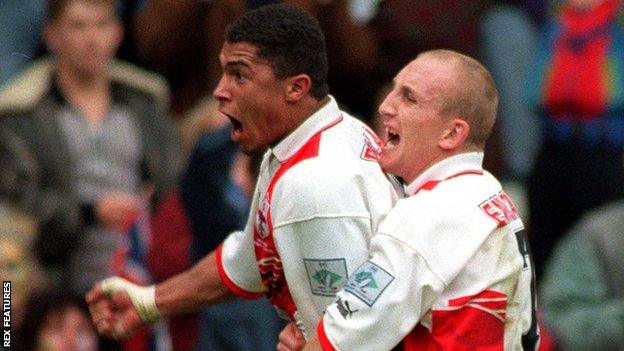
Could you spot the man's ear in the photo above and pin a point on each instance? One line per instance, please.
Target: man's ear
(454, 135)
(297, 87)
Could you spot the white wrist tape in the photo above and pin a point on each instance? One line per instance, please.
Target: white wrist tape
(143, 297)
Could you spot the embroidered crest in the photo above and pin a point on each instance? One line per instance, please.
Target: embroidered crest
(326, 277)
(261, 222)
(372, 146)
(369, 282)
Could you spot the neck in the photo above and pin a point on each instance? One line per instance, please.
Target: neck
(307, 107)
(89, 94)
(439, 158)
(302, 110)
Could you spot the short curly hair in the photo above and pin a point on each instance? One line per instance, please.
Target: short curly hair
(289, 38)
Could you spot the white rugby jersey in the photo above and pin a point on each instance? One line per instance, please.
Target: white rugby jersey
(319, 199)
(449, 269)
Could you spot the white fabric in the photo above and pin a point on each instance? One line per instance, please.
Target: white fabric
(436, 246)
(143, 297)
(323, 208)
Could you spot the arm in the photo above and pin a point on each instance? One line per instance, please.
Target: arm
(417, 258)
(118, 308)
(382, 301)
(188, 292)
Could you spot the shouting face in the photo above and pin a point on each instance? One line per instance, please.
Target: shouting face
(252, 97)
(411, 117)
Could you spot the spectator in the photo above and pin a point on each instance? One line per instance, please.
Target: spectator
(509, 39)
(576, 90)
(582, 291)
(90, 134)
(17, 265)
(56, 322)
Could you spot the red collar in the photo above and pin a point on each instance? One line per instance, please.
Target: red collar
(429, 185)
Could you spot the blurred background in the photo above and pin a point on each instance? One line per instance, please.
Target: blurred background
(115, 160)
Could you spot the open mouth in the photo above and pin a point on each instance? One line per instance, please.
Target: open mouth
(237, 128)
(236, 124)
(392, 137)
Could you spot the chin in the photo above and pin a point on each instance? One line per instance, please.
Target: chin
(386, 166)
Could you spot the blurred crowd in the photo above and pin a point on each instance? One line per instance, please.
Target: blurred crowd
(115, 160)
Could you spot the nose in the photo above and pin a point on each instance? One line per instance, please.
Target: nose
(386, 109)
(221, 93)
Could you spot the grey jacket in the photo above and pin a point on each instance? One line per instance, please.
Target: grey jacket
(35, 167)
(582, 293)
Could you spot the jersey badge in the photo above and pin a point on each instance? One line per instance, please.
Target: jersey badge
(261, 221)
(368, 282)
(500, 208)
(326, 277)
(372, 146)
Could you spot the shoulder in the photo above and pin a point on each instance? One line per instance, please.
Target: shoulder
(606, 221)
(465, 191)
(140, 80)
(24, 91)
(320, 177)
(452, 206)
(324, 187)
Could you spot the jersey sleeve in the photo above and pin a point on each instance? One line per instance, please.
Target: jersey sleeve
(325, 237)
(420, 248)
(237, 266)
(382, 301)
(318, 256)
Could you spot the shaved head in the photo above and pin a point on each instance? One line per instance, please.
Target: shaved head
(468, 92)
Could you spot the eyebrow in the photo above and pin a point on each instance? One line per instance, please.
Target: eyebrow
(237, 63)
(402, 87)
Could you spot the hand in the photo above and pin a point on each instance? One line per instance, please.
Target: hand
(291, 339)
(116, 210)
(118, 308)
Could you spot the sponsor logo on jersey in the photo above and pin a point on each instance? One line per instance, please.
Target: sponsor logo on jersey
(344, 308)
(326, 277)
(369, 282)
(500, 208)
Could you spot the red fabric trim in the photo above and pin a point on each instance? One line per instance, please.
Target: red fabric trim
(271, 270)
(326, 345)
(250, 295)
(309, 150)
(433, 183)
(486, 294)
(474, 324)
